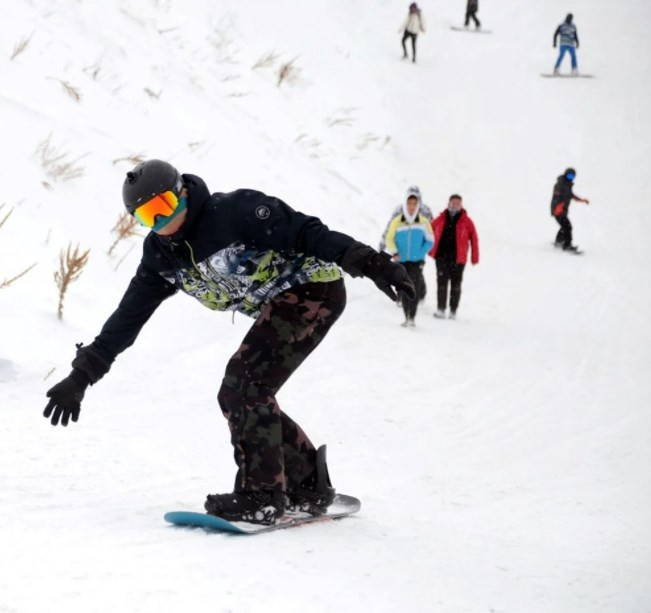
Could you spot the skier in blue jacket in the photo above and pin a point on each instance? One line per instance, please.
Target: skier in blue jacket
(409, 238)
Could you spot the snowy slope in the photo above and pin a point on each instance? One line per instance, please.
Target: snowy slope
(502, 459)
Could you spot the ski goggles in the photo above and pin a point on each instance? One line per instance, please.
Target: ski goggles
(570, 176)
(160, 206)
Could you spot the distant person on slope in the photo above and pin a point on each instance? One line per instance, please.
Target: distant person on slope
(454, 233)
(248, 252)
(569, 43)
(413, 25)
(409, 238)
(561, 198)
(423, 210)
(471, 13)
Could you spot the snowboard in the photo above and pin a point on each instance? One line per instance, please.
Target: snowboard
(566, 76)
(342, 506)
(577, 252)
(472, 30)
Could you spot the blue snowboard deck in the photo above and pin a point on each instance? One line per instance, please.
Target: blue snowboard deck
(342, 506)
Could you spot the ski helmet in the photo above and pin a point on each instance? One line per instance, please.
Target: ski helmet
(148, 179)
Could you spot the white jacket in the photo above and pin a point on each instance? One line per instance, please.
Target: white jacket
(414, 23)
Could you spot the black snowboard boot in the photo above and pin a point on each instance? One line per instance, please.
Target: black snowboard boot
(255, 506)
(315, 493)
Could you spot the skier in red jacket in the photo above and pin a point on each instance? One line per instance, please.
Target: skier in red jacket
(454, 232)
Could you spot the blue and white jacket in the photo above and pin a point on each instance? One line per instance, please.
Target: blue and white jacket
(411, 240)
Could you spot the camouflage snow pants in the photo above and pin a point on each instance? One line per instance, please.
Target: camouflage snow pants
(271, 450)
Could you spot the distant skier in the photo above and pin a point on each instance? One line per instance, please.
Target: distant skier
(248, 252)
(560, 206)
(414, 24)
(471, 13)
(454, 233)
(423, 210)
(409, 238)
(569, 43)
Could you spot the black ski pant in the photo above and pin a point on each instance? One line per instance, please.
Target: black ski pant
(448, 272)
(413, 37)
(472, 14)
(415, 272)
(564, 236)
(271, 450)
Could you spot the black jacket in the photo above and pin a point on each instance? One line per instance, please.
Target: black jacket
(562, 196)
(235, 251)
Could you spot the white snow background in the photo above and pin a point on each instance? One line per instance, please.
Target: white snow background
(503, 460)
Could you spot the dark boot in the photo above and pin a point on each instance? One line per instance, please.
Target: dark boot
(315, 493)
(255, 506)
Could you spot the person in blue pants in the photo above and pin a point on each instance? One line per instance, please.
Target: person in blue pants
(569, 43)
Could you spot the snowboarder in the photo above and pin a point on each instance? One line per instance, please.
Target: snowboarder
(454, 232)
(423, 210)
(409, 238)
(561, 198)
(569, 43)
(248, 252)
(471, 13)
(413, 25)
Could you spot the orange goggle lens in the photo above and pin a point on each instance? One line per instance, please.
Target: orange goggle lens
(161, 205)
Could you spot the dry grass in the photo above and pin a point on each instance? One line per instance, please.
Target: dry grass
(20, 47)
(7, 282)
(72, 91)
(125, 227)
(152, 94)
(135, 159)
(288, 73)
(71, 265)
(268, 60)
(57, 163)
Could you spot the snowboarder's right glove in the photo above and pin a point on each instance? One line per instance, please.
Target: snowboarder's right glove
(65, 398)
(363, 261)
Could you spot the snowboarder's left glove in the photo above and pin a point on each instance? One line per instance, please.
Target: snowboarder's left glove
(363, 261)
(65, 398)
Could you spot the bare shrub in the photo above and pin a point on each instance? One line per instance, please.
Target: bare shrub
(20, 46)
(266, 61)
(125, 227)
(71, 265)
(288, 73)
(93, 71)
(57, 163)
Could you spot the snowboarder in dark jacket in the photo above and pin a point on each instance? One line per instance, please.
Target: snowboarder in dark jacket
(569, 43)
(248, 252)
(560, 206)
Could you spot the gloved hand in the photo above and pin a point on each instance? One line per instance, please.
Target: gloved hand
(391, 277)
(65, 398)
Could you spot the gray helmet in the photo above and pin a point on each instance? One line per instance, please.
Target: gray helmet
(147, 180)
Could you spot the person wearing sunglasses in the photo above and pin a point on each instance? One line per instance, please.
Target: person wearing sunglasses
(248, 252)
(561, 198)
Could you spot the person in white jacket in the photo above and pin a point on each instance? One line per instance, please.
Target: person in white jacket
(414, 24)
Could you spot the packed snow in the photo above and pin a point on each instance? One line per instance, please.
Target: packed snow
(503, 459)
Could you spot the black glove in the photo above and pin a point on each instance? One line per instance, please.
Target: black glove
(65, 398)
(362, 260)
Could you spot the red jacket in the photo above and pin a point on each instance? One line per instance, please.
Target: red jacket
(466, 235)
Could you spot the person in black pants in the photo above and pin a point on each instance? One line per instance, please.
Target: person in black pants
(471, 13)
(454, 234)
(560, 206)
(413, 25)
